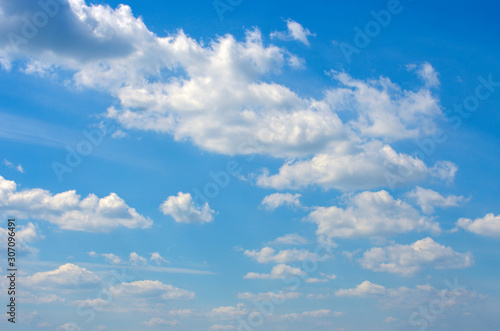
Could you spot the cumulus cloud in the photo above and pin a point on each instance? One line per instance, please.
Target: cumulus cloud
(489, 225)
(363, 289)
(156, 321)
(274, 296)
(67, 276)
(151, 289)
(279, 271)
(70, 326)
(406, 260)
(229, 312)
(295, 32)
(183, 209)
(370, 214)
(218, 95)
(267, 255)
(314, 314)
(325, 278)
(428, 199)
(68, 211)
(136, 259)
(275, 200)
(289, 239)
(112, 258)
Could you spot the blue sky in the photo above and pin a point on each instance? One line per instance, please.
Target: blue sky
(246, 165)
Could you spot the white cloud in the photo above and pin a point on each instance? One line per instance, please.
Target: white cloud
(183, 209)
(136, 259)
(70, 326)
(67, 276)
(25, 235)
(274, 296)
(112, 258)
(352, 167)
(314, 314)
(158, 258)
(229, 312)
(370, 214)
(275, 200)
(27, 297)
(13, 166)
(289, 239)
(489, 225)
(151, 289)
(182, 313)
(427, 73)
(406, 260)
(279, 271)
(92, 254)
(267, 255)
(364, 289)
(68, 211)
(428, 199)
(295, 32)
(390, 319)
(156, 321)
(221, 327)
(326, 278)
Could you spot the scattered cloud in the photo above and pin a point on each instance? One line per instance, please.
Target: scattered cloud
(229, 312)
(427, 73)
(428, 199)
(158, 258)
(269, 255)
(289, 239)
(25, 235)
(406, 260)
(112, 258)
(221, 327)
(295, 32)
(279, 271)
(370, 214)
(275, 200)
(273, 296)
(11, 165)
(151, 289)
(364, 289)
(156, 321)
(67, 276)
(489, 225)
(183, 209)
(136, 259)
(325, 278)
(68, 211)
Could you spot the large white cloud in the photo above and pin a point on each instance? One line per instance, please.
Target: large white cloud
(220, 95)
(370, 214)
(406, 260)
(68, 210)
(183, 209)
(489, 225)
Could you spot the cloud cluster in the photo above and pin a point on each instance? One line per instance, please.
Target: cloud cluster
(183, 209)
(68, 210)
(489, 225)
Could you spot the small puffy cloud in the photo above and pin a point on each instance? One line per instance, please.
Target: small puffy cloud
(275, 200)
(269, 255)
(295, 32)
(158, 258)
(13, 166)
(151, 289)
(183, 209)
(156, 321)
(69, 327)
(136, 259)
(273, 296)
(364, 289)
(216, 327)
(279, 271)
(68, 211)
(428, 199)
(93, 254)
(68, 276)
(406, 260)
(112, 258)
(489, 225)
(289, 239)
(427, 73)
(370, 214)
(229, 312)
(325, 278)
(314, 314)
